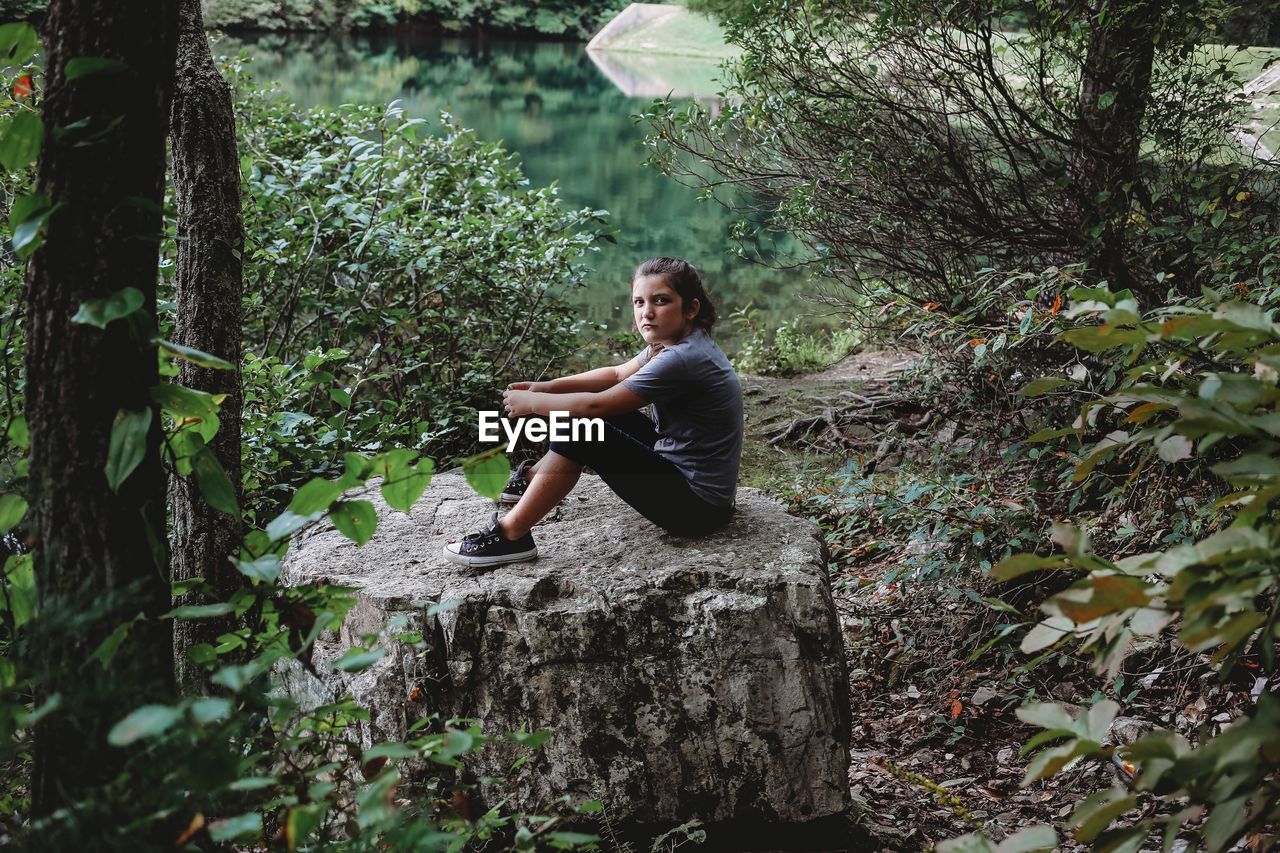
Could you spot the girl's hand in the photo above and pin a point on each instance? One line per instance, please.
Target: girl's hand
(524, 386)
(518, 402)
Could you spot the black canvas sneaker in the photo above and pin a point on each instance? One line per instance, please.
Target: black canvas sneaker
(490, 548)
(515, 488)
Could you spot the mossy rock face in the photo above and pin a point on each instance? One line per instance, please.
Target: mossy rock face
(681, 678)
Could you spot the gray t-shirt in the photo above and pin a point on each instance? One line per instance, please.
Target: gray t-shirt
(698, 403)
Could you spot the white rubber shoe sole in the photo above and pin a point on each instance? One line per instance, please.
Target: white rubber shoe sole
(451, 554)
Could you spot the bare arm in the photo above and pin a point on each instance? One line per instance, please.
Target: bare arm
(600, 379)
(613, 398)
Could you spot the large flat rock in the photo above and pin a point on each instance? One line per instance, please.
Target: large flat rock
(681, 677)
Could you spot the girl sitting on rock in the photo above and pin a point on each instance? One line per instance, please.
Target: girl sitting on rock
(680, 472)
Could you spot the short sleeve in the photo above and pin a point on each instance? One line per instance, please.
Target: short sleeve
(660, 378)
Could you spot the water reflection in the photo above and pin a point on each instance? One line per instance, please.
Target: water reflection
(569, 123)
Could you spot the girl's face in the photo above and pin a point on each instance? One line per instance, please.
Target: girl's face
(660, 312)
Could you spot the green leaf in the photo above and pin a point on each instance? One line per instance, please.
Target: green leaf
(128, 445)
(26, 221)
(403, 484)
(355, 469)
(457, 742)
(487, 473)
(388, 750)
(209, 709)
(18, 43)
(202, 653)
(1050, 434)
(574, 838)
(266, 568)
(287, 522)
(358, 659)
(1098, 810)
(1050, 761)
(1020, 564)
(375, 802)
(1099, 718)
(1102, 338)
(1225, 822)
(252, 783)
(533, 740)
(12, 509)
(183, 402)
(196, 414)
(1099, 595)
(185, 586)
(1106, 99)
(301, 822)
(1218, 216)
(1052, 630)
(147, 721)
(237, 677)
(974, 842)
(1174, 448)
(1033, 838)
(1036, 387)
(195, 356)
(356, 520)
(21, 575)
(100, 312)
(1046, 715)
(20, 145)
(214, 483)
(241, 826)
(200, 611)
(444, 606)
(315, 496)
(17, 432)
(106, 650)
(83, 66)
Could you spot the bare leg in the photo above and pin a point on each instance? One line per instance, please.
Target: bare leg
(553, 478)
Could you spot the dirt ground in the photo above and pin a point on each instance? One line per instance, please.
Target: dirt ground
(935, 741)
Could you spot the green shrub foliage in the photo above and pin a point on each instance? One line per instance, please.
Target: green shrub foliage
(1199, 388)
(395, 280)
(918, 146)
(562, 18)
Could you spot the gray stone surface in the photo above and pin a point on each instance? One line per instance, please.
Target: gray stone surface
(681, 677)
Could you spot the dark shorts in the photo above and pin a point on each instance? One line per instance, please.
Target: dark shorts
(642, 477)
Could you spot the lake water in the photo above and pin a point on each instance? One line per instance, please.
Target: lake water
(569, 123)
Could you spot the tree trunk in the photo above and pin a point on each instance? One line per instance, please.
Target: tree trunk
(206, 179)
(1115, 89)
(100, 556)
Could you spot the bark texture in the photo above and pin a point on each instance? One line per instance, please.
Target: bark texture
(206, 179)
(1117, 68)
(100, 557)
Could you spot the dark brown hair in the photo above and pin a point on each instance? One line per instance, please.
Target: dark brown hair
(686, 281)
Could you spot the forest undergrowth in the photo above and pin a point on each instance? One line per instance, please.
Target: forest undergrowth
(918, 492)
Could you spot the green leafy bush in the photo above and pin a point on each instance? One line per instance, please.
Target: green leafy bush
(1200, 388)
(395, 281)
(917, 164)
(789, 349)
